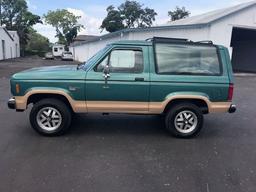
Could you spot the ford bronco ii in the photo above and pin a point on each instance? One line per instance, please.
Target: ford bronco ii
(177, 78)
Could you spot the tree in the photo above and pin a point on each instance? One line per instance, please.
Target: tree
(114, 21)
(131, 11)
(147, 17)
(178, 13)
(129, 14)
(135, 16)
(37, 42)
(65, 23)
(15, 16)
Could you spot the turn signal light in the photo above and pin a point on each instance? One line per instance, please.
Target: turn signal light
(17, 88)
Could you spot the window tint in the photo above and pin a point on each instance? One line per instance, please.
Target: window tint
(123, 61)
(187, 59)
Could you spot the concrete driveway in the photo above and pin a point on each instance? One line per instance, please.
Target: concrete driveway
(119, 153)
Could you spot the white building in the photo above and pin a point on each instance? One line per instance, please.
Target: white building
(233, 27)
(9, 44)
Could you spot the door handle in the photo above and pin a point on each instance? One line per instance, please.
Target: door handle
(139, 79)
(106, 76)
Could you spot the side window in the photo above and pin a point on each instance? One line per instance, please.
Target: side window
(187, 59)
(123, 61)
(102, 64)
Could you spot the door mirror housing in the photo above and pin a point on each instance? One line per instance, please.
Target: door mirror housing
(106, 72)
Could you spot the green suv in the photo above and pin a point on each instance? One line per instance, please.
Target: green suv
(179, 79)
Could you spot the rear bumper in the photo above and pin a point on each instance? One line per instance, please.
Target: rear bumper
(11, 103)
(232, 108)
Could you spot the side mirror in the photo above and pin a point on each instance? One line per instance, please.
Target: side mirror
(106, 71)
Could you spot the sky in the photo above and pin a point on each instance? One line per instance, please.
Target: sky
(92, 12)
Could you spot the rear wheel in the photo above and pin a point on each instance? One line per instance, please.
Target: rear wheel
(184, 120)
(50, 117)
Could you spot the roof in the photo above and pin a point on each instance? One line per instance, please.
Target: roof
(13, 33)
(7, 32)
(58, 45)
(85, 37)
(190, 22)
(213, 15)
(82, 39)
(123, 31)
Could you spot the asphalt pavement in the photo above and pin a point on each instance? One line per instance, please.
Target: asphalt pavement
(128, 153)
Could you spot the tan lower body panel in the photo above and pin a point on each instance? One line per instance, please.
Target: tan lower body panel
(77, 106)
(145, 107)
(117, 107)
(122, 106)
(219, 107)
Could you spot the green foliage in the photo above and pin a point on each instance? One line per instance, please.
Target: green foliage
(135, 15)
(147, 17)
(178, 13)
(129, 14)
(37, 43)
(15, 16)
(114, 21)
(65, 23)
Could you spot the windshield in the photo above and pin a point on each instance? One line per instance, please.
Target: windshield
(94, 58)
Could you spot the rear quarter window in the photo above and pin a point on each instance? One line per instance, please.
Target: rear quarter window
(187, 59)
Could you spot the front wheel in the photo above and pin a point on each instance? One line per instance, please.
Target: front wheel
(50, 117)
(184, 120)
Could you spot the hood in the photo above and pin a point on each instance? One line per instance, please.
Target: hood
(53, 72)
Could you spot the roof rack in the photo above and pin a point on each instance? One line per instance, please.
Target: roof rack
(205, 41)
(173, 40)
(166, 40)
(149, 39)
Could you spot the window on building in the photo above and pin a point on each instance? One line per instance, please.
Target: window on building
(187, 59)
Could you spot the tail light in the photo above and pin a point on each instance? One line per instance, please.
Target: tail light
(230, 92)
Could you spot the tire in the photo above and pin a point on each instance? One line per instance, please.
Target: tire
(50, 117)
(184, 120)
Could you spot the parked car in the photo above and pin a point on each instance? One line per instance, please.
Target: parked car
(67, 56)
(49, 55)
(180, 79)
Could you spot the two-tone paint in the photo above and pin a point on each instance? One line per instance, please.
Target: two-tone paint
(86, 91)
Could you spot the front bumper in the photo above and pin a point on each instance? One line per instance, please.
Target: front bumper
(12, 103)
(232, 109)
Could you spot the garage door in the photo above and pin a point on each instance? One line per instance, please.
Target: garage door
(244, 50)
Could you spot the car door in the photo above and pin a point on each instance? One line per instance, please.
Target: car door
(124, 88)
